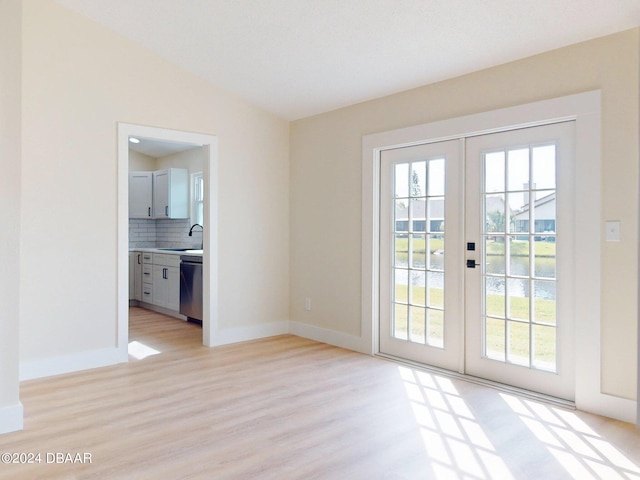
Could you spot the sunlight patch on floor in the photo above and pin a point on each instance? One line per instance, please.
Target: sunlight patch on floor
(140, 351)
(581, 451)
(511, 436)
(455, 443)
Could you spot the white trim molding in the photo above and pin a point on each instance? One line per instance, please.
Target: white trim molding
(324, 335)
(11, 418)
(252, 332)
(210, 230)
(73, 362)
(584, 109)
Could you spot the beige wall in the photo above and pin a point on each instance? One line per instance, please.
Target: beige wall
(192, 160)
(326, 192)
(79, 80)
(10, 130)
(139, 162)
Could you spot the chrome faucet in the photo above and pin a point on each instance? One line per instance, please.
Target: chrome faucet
(201, 229)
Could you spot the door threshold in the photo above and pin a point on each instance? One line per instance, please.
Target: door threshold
(540, 397)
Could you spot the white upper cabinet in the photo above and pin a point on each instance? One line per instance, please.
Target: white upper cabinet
(159, 194)
(140, 194)
(171, 193)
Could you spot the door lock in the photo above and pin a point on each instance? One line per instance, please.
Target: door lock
(472, 264)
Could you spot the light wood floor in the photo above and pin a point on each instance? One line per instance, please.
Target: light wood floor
(290, 408)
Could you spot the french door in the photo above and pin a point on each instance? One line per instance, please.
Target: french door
(420, 225)
(476, 256)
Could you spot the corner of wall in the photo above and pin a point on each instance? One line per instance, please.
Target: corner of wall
(11, 414)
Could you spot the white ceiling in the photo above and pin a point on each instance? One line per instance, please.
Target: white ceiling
(297, 58)
(156, 148)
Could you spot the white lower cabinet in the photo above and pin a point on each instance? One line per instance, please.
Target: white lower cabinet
(132, 277)
(166, 281)
(146, 294)
(155, 279)
(137, 275)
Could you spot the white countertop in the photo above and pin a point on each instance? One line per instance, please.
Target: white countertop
(166, 251)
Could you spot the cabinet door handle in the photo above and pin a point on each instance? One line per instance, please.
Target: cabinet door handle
(164, 273)
(149, 214)
(166, 210)
(138, 259)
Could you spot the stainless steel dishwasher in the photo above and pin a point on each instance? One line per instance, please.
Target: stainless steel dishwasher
(191, 287)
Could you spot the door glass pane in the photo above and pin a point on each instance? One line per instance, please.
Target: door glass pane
(436, 214)
(495, 296)
(418, 214)
(401, 216)
(435, 323)
(436, 289)
(436, 177)
(518, 212)
(494, 334)
(417, 253)
(418, 325)
(544, 166)
(418, 288)
(418, 179)
(518, 297)
(544, 347)
(494, 172)
(544, 213)
(518, 343)
(494, 208)
(545, 258)
(401, 282)
(401, 176)
(400, 321)
(518, 169)
(401, 252)
(494, 248)
(435, 247)
(544, 301)
(519, 256)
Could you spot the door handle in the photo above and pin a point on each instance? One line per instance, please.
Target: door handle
(472, 264)
(166, 211)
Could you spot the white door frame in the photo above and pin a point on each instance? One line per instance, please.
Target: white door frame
(584, 109)
(209, 236)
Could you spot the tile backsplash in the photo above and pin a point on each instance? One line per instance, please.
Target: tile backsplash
(163, 234)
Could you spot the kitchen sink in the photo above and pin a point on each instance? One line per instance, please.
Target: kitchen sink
(189, 250)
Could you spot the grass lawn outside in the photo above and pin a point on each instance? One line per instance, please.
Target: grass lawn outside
(509, 335)
(528, 342)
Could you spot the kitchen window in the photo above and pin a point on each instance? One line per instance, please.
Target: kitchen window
(197, 198)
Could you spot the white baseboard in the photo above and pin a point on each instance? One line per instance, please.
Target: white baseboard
(253, 332)
(11, 418)
(618, 408)
(156, 308)
(324, 335)
(30, 369)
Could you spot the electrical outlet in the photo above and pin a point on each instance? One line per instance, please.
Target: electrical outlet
(612, 231)
(307, 303)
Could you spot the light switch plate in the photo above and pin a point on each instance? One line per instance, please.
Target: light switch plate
(612, 230)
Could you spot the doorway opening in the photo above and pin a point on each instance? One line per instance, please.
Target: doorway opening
(206, 213)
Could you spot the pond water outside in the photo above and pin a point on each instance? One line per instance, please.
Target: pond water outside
(519, 265)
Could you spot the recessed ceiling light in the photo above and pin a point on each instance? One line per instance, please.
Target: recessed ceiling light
(134, 140)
